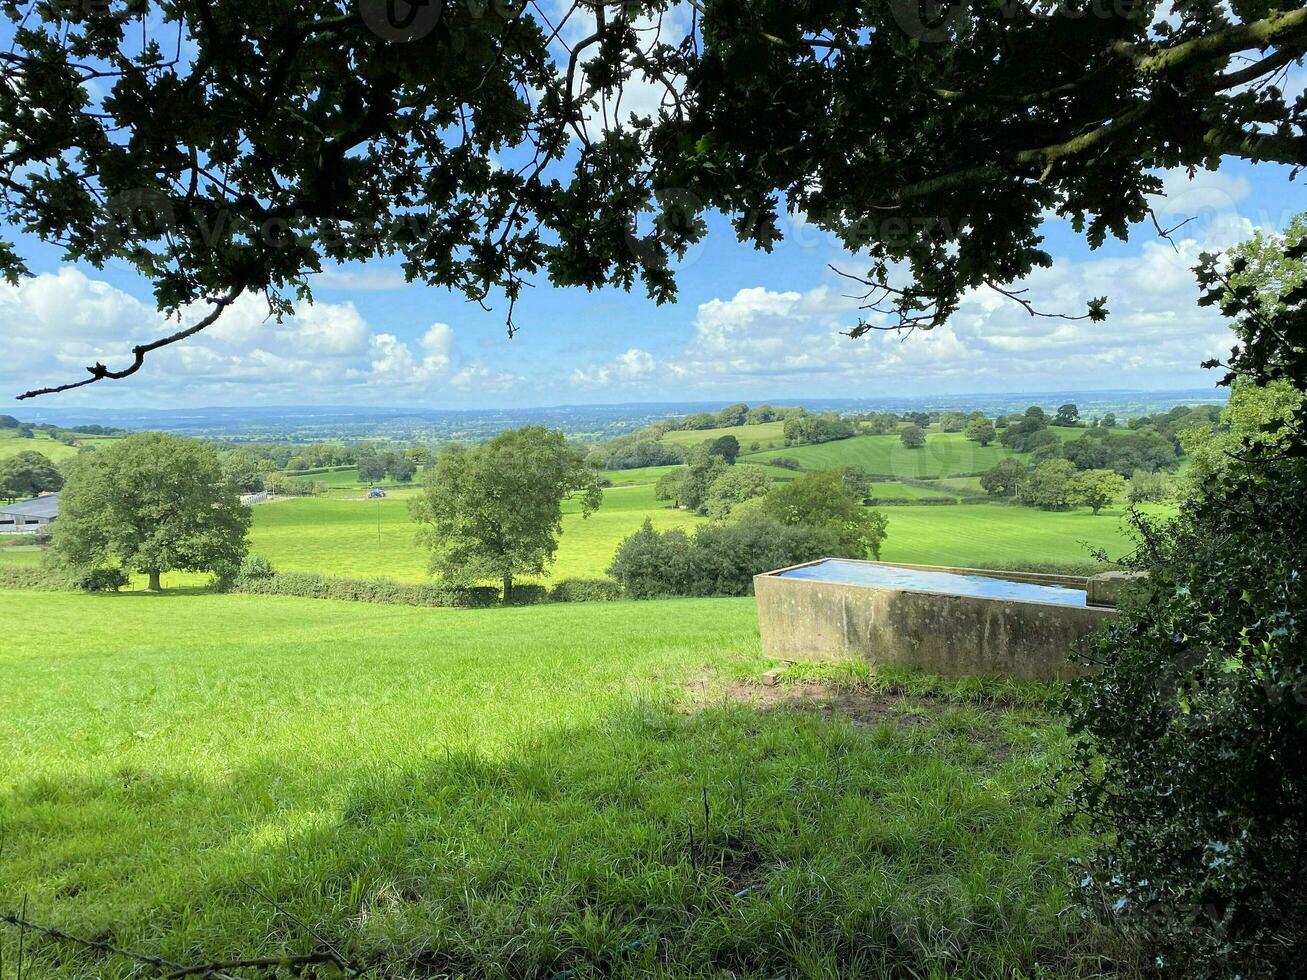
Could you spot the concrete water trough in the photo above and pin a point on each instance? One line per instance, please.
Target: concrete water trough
(950, 621)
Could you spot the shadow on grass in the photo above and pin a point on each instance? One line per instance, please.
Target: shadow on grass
(656, 842)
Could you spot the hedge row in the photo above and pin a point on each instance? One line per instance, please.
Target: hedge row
(912, 502)
(308, 586)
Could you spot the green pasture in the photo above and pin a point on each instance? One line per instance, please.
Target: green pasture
(332, 536)
(767, 433)
(902, 491)
(51, 449)
(651, 474)
(1003, 536)
(506, 793)
(945, 454)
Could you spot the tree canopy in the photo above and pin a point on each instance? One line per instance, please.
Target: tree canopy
(151, 503)
(486, 144)
(496, 510)
(26, 474)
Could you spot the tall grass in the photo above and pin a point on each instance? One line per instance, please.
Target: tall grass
(502, 793)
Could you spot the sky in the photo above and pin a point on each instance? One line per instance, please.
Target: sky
(747, 326)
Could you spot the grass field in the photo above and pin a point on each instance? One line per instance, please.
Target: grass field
(51, 449)
(901, 491)
(768, 433)
(504, 793)
(339, 537)
(945, 454)
(998, 536)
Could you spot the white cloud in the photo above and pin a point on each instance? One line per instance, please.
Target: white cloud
(633, 366)
(479, 378)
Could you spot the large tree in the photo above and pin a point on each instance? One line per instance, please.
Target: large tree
(26, 474)
(152, 503)
(495, 511)
(218, 151)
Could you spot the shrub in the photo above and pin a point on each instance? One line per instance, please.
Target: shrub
(109, 579)
(785, 462)
(306, 586)
(1189, 763)
(256, 566)
(529, 594)
(585, 590)
(720, 560)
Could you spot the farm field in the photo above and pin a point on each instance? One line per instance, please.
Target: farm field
(339, 537)
(945, 454)
(51, 449)
(902, 491)
(772, 433)
(506, 793)
(1000, 536)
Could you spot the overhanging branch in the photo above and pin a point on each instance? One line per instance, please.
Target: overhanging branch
(99, 372)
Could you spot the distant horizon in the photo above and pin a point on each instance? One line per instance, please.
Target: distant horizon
(1215, 393)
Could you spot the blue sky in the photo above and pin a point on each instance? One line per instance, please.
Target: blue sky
(747, 326)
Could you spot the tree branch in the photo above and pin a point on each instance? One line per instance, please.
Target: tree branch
(99, 372)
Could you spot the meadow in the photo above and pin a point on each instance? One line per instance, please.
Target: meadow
(945, 454)
(333, 536)
(41, 442)
(510, 793)
(768, 434)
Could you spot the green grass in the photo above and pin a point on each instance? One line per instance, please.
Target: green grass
(51, 449)
(945, 454)
(902, 491)
(332, 536)
(502, 793)
(999, 536)
(650, 474)
(772, 433)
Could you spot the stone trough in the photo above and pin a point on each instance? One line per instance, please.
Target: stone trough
(950, 621)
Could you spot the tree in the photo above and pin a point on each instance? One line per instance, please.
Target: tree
(726, 447)
(952, 422)
(1048, 485)
(1097, 488)
(733, 415)
(331, 128)
(669, 485)
(401, 467)
(981, 431)
(496, 510)
(822, 500)
(28, 473)
(1004, 477)
(1067, 415)
(913, 437)
(372, 466)
(1108, 421)
(734, 486)
(152, 503)
(240, 468)
(1148, 488)
(1256, 417)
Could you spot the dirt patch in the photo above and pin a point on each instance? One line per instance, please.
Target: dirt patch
(863, 706)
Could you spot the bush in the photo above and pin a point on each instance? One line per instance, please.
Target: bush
(528, 594)
(720, 560)
(585, 590)
(99, 579)
(256, 566)
(1190, 764)
(305, 586)
(785, 462)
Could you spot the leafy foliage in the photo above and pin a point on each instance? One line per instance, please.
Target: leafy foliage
(495, 510)
(1191, 759)
(913, 437)
(720, 559)
(1048, 486)
(823, 500)
(153, 503)
(26, 474)
(1096, 489)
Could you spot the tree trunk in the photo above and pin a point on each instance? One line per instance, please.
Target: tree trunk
(508, 588)
(155, 584)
